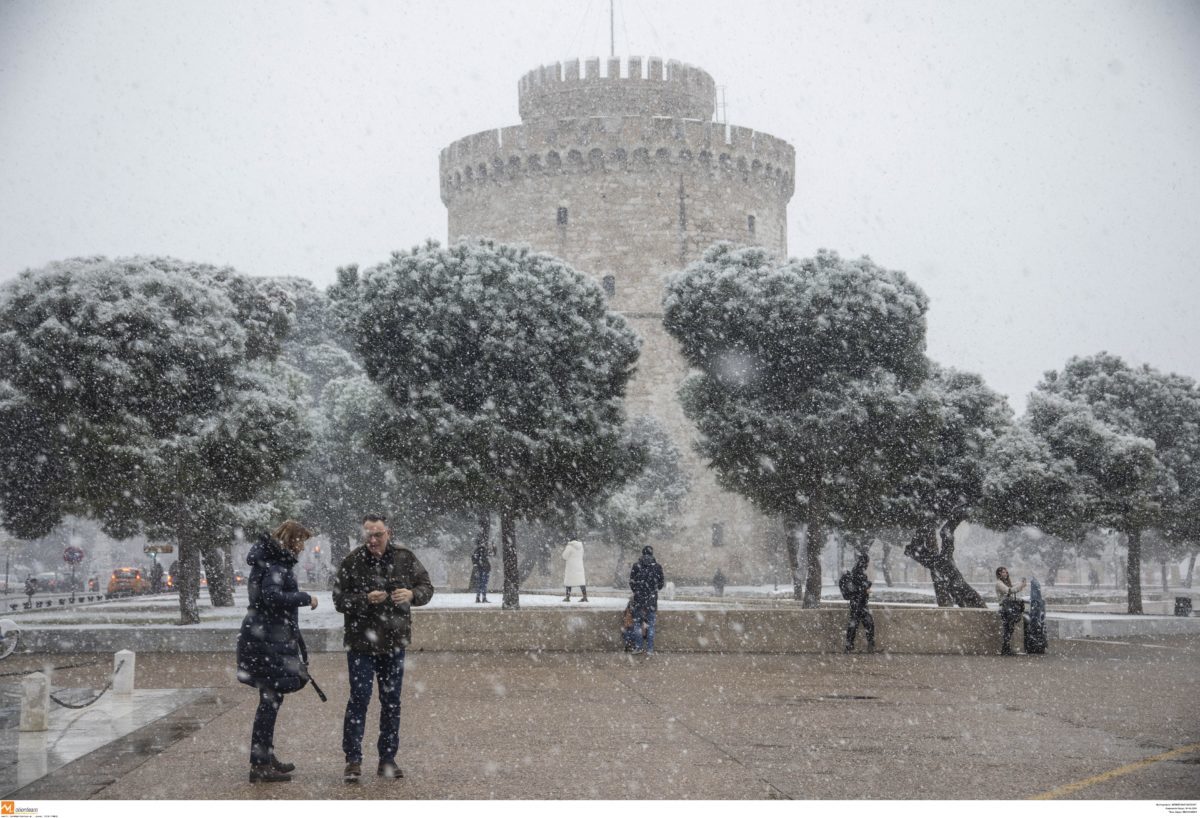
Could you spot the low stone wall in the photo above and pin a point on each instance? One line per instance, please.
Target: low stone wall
(898, 630)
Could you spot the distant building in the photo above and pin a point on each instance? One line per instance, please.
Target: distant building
(627, 177)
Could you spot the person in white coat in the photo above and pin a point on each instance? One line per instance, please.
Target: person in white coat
(573, 570)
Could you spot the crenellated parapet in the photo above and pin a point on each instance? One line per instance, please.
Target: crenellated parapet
(625, 88)
(604, 144)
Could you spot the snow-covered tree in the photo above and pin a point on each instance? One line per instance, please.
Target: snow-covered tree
(1143, 465)
(505, 373)
(947, 487)
(647, 504)
(317, 345)
(805, 395)
(139, 392)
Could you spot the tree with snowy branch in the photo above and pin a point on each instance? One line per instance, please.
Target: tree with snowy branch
(505, 374)
(1066, 472)
(805, 394)
(140, 392)
(1147, 477)
(948, 486)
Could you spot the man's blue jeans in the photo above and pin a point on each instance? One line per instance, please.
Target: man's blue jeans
(364, 669)
(647, 616)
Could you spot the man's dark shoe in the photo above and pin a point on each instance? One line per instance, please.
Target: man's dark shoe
(265, 773)
(388, 769)
(282, 766)
(353, 772)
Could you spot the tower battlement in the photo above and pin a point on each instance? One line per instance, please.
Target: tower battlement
(629, 143)
(560, 91)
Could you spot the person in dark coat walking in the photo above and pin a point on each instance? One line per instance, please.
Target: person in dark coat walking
(271, 655)
(859, 588)
(482, 569)
(377, 584)
(645, 580)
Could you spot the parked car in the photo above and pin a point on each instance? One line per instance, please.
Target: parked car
(128, 582)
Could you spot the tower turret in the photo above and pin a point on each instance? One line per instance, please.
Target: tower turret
(558, 91)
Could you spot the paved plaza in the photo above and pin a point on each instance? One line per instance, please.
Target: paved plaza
(1093, 719)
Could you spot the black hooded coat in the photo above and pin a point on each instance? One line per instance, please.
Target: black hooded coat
(270, 650)
(646, 580)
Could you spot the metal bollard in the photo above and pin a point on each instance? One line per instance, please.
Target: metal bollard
(35, 703)
(123, 673)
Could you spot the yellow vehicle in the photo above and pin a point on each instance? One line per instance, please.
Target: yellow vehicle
(127, 582)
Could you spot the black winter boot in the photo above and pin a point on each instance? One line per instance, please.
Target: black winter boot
(266, 773)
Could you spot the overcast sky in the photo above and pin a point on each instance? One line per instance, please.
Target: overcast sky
(1035, 167)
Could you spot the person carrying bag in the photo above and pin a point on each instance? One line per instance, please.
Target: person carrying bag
(271, 654)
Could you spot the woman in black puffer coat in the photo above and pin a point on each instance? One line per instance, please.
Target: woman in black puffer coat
(270, 653)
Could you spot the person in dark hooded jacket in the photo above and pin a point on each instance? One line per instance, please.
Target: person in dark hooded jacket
(860, 595)
(645, 580)
(271, 655)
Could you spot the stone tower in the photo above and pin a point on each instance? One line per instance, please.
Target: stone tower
(626, 176)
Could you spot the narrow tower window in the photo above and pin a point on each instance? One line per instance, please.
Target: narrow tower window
(610, 285)
(750, 224)
(562, 217)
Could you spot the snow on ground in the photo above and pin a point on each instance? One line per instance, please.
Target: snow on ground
(163, 610)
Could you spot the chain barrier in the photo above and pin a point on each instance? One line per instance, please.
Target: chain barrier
(56, 667)
(60, 702)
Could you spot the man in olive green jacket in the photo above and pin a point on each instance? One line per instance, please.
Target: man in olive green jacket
(376, 585)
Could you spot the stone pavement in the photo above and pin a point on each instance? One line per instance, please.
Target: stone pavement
(684, 726)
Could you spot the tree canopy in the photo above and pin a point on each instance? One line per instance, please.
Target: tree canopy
(139, 392)
(804, 394)
(505, 375)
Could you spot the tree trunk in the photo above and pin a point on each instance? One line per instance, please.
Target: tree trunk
(512, 580)
(814, 542)
(793, 554)
(1187, 583)
(187, 575)
(1051, 575)
(338, 549)
(620, 576)
(923, 549)
(961, 592)
(218, 571)
(537, 555)
(1133, 571)
(934, 550)
(1166, 588)
(885, 563)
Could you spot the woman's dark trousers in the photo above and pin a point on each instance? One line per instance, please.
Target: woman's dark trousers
(262, 738)
(1008, 621)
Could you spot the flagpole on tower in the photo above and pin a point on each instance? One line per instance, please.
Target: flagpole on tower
(612, 40)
